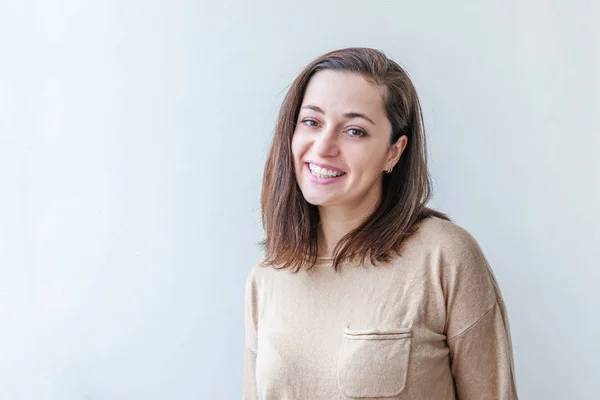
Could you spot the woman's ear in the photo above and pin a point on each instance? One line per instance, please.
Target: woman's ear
(396, 151)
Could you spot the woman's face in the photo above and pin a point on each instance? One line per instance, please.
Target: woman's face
(341, 144)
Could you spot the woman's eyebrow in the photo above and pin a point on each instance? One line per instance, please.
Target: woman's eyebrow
(351, 114)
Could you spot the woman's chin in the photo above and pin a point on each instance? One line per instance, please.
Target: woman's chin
(318, 200)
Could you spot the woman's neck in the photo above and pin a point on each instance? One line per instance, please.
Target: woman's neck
(338, 221)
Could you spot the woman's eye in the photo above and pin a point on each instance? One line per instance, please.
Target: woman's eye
(356, 132)
(309, 122)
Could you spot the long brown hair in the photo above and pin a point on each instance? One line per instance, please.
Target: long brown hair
(290, 222)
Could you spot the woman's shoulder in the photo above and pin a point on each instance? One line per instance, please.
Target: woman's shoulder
(260, 272)
(446, 236)
(457, 255)
(257, 271)
(451, 247)
(254, 278)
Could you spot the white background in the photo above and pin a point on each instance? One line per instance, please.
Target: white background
(132, 141)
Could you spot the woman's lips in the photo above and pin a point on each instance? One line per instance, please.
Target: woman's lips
(326, 166)
(322, 181)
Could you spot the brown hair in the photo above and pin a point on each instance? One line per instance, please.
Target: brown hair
(290, 222)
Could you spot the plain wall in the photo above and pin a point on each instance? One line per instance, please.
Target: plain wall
(132, 141)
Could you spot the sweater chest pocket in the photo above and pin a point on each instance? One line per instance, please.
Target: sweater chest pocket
(373, 363)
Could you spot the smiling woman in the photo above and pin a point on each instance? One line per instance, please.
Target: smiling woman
(363, 291)
(355, 111)
(348, 128)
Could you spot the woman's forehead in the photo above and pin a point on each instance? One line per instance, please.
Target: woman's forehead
(344, 92)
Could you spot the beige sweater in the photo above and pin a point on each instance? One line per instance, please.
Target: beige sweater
(429, 325)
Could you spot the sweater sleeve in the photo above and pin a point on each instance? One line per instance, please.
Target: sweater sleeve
(482, 363)
(249, 392)
(250, 322)
(477, 330)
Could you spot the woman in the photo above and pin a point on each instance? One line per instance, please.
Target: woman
(364, 292)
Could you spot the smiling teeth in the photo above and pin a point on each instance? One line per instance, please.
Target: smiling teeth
(323, 172)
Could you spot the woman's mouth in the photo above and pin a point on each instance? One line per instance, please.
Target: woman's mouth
(323, 175)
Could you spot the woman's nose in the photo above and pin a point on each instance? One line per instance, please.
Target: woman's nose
(326, 143)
